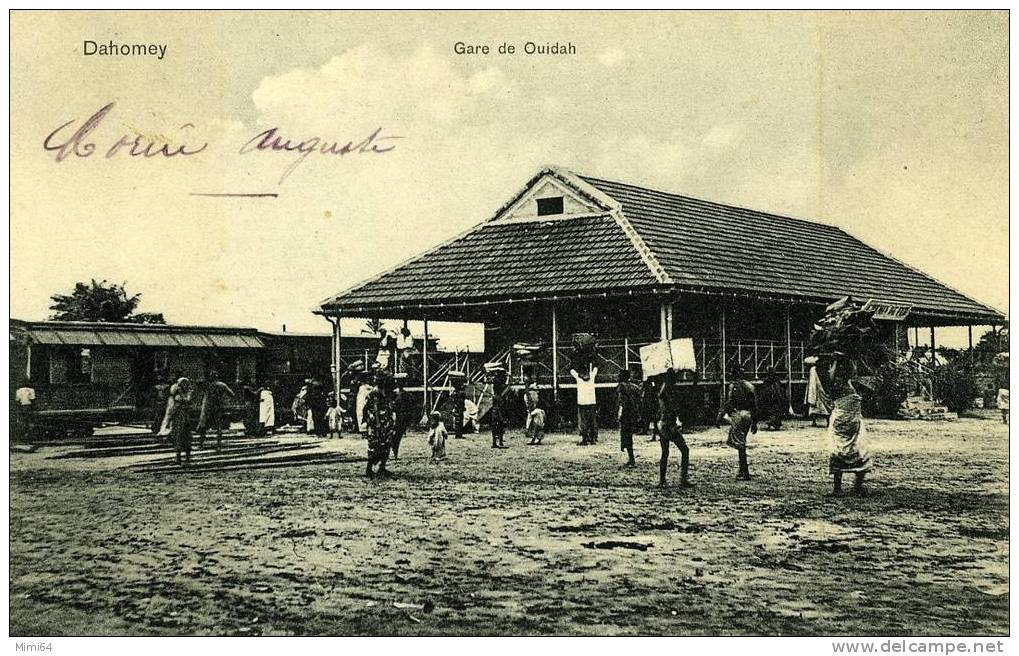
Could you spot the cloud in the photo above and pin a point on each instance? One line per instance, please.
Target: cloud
(612, 57)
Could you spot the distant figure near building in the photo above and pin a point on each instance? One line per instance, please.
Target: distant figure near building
(497, 414)
(741, 406)
(437, 436)
(160, 394)
(457, 403)
(24, 399)
(266, 410)
(212, 409)
(363, 390)
(587, 405)
(771, 402)
(628, 401)
(178, 419)
(534, 429)
(380, 417)
(816, 399)
(403, 406)
(649, 408)
(671, 429)
(1002, 402)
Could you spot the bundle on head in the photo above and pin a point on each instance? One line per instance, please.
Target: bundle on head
(848, 333)
(584, 348)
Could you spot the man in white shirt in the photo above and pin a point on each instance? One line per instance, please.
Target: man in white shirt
(24, 398)
(587, 406)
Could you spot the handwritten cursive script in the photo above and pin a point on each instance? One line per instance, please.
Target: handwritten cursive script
(70, 142)
(79, 145)
(269, 140)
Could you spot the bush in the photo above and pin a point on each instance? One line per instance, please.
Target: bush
(890, 387)
(955, 385)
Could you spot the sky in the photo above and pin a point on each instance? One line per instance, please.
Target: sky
(892, 126)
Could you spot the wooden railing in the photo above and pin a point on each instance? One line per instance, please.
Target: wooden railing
(754, 355)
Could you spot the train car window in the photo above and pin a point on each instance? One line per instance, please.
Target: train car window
(85, 363)
(70, 365)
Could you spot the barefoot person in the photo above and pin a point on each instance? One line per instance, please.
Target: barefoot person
(628, 413)
(741, 406)
(845, 428)
(670, 429)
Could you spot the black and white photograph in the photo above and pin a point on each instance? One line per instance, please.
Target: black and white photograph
(467, 323)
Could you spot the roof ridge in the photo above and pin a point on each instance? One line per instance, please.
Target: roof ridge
(813, 221)
(646, 254)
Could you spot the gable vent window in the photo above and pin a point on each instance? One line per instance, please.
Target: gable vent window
(547, 206)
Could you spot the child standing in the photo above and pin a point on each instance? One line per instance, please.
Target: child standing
(333, 418)
(535, 429)
(437, 436)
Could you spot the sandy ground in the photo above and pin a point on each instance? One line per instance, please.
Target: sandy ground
(284, 536)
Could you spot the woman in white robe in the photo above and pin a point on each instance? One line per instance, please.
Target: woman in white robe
(266, 409)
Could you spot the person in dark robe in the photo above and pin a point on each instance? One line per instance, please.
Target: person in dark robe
(252, 394)
(670, 427)
(628, 401)
(649, 408)
(403, 406)
(771, 401)
(741, 406)
(160, 394)
(497, 414)
(212, 409)
(380, 418)
(318, 406)
(178, 419)
(457, 405)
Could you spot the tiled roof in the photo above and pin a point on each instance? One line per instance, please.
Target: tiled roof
(704, 244)
(513, 259)
(85, 333)
(662, 241)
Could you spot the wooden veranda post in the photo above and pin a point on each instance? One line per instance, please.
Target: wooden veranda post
(555, 353)
(336, 358)
(789, 359)
(933, 359)
(424, 368)
(665, 321)
(722, 364)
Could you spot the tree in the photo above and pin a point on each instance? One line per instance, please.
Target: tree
(373, 326)
(991, 343)
(100, 301)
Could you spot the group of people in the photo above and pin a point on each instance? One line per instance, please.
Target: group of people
(660, 406)
(173, 408)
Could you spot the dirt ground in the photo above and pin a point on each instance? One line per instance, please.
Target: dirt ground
(283, 535)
